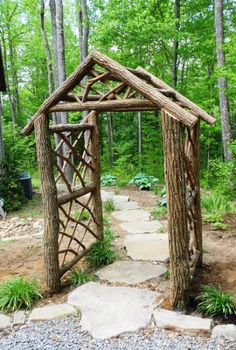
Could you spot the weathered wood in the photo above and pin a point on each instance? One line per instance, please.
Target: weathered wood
(50, 205)
(146, 90)
(96, 174)
(197, 202)
(103, 106)
(70, 127)
(189, 104)
(173, 138)
(63, 90)
(66, 197)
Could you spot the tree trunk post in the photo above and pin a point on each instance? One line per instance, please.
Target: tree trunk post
(198, 212)
(50, 205)
(173, 138)
(96, 174)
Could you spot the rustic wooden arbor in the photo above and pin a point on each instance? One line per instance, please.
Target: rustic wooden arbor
(100, 84)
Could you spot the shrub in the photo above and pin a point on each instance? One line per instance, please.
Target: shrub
(11, 191)
(18, 293)
(108, 180)
(212, 302)
(158, 212)
(143, 181)
(109, 206)
(79, 277)
(219, 226)
(102, 253)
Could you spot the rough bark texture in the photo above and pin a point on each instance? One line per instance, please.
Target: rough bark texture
(83, 28)
(96, 175)
(173, 138)
(222, 83)
(50, 205)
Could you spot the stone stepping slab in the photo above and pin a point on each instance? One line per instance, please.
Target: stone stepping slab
(5, 321)
(184, 324)
(150, 247)
(132, 215)
(131, 272)
(130, 205)
(51, 312)
(139, 227)
(110, 311)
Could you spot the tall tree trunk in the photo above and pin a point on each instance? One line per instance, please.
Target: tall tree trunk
(2, 154)
(176, 45)
(222, 83)
(83, 28)
(49, 65)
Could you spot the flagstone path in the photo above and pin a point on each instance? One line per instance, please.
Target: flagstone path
(119, 301)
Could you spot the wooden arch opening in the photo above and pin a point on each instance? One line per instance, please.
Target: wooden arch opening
(70, 168)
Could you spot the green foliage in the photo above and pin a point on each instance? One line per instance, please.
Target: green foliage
(18, 293)
(83, 216)
(215, 206)
(143, 181)
(108, 180)
(213, 302)
(219, 226)
(158, 212)
(11, 191)
(109, 206)
(102, 253)
(80, 277)
(166, 275)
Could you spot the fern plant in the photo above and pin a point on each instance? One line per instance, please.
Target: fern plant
(212, 302)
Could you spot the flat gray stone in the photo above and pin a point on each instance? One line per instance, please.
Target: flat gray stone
(227, 331)
(110, 311)
(126, 205)
(106, 195)
(51, 312)
(120, 199)
(19, 317)
(131, 272)
(5, 321)
(147, 247)
(142, 226)
(184, 324)
(132, 215)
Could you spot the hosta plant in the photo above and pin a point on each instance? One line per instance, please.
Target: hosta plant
(108, 180)
(144, 181)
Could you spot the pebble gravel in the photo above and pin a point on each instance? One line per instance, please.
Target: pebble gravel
(67, 334)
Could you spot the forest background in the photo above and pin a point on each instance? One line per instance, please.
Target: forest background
(191, 45)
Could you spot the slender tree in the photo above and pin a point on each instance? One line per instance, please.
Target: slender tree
(222, 82)
(176, 44)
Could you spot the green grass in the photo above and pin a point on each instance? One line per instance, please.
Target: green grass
(109, 206)
(158, 212)
(18, 293)
(214, 302)
(77, 276)
(219, 226)
(102, 253)
(83, 216)
(215, 206)
(32, 208)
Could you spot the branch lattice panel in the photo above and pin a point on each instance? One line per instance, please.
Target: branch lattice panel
(75, 170)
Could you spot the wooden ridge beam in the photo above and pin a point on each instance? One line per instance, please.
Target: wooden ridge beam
(185, 102)
(71, 127)
(66, 197)
(146, 90)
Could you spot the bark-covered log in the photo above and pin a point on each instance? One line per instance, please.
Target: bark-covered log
(70, 127)
(64, 198)
(96, 174)
(50, 205)
(173, 138)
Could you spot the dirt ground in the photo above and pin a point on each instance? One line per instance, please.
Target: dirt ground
(25, 256)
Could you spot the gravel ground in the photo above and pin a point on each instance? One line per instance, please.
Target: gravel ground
(67, 334)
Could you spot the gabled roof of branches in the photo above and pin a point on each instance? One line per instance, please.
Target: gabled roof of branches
(155, 94)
